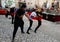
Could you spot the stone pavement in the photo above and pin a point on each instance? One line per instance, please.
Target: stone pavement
(6, 30)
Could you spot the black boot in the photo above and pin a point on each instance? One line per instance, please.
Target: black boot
(27, 32)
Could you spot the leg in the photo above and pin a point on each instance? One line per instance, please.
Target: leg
(31, 22)
(12, 19)
(14, 32)
(22, 26)
(39, 24)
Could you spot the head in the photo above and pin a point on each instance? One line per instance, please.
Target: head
(23, 6)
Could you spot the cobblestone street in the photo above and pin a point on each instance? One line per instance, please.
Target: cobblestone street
(48, 32)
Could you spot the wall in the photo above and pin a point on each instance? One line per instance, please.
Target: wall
(31, 3)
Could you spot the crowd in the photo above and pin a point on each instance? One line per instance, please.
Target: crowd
(17, 18)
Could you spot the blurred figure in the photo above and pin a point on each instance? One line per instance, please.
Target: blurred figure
(18, 22)
(8, 11)
(30, 21)
(12, 10)
(52, 7)
(36, 15)
(39, 18)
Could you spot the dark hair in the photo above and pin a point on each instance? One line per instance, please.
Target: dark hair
(23, 6)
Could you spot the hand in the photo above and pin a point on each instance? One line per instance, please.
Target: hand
(39, 15)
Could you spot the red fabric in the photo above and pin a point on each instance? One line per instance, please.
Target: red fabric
(57, 18)
(29, 13)
(12, 14)
(2, 11)
(37, 18)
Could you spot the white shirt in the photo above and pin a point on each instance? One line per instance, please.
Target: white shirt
(33, 14)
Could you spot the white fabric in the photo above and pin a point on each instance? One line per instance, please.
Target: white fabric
(33, 14)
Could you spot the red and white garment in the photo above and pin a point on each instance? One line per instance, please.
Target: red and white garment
(33, 16)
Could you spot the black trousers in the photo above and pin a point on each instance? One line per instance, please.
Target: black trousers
(39, 24)
(31, 22)
(16, 25)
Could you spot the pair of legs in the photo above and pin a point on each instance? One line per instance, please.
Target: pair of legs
(39, 24)
(16, 25)
(31, 22)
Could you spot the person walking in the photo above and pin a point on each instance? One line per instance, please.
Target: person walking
(35, 15)
(18, 22)
(39, 18)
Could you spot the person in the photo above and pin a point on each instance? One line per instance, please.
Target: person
(36, 15)
(18, 22)
(8, 11)
(30, 22)
(12, 13)
(31, 14)
(39, 18)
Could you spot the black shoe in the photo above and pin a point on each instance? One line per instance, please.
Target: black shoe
(27, 32)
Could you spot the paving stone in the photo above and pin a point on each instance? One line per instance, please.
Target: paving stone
(6, 31)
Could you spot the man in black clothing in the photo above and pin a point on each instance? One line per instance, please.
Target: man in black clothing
(18, 22)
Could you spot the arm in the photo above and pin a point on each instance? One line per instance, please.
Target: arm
(27, 16)
(40, 15)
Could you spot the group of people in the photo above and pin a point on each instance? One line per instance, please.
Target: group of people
(18, 14)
